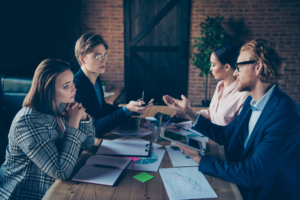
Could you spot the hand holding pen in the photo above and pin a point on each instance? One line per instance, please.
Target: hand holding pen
(143, 102)
(139, 106)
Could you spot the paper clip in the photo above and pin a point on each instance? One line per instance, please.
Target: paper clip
(147, 147)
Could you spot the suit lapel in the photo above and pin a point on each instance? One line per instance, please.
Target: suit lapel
(267, 111)
(101, 90)
(89, 85)
(244, 122)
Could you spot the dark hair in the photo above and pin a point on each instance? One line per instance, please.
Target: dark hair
(41, 96)
(227, 54)
(266, 52)
(86, 44)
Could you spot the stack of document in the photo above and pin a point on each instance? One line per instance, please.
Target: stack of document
(148, 158)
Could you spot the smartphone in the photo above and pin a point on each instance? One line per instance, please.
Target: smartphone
(144, 104)
(181, 139)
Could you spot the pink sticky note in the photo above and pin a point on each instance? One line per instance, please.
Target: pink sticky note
(133, 158)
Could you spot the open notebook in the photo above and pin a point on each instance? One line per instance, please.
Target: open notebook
(103, 170)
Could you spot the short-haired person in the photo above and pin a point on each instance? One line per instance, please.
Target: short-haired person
(262, 144)
(91, 53)
(46, 135)
(227, 101)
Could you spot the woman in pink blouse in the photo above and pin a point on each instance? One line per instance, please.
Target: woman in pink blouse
(227, 102)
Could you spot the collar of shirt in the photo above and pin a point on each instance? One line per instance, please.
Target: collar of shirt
(229, 89)
(263, 101)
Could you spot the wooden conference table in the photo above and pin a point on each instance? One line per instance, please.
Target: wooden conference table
(127, 187)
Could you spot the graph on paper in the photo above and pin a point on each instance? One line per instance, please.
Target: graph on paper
(178, 159)
(193, 183)
(146, 161)
(186, 183)
(150, 164)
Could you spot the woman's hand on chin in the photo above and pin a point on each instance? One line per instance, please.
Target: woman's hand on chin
(74, 113)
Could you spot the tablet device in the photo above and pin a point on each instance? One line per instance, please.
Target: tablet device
(166, 118)
(181, 139)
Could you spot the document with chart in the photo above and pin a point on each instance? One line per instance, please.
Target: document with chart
(151, 163)
(186, 183)
(178, 159)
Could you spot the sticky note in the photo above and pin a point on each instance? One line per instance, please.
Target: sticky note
(133, 158)
(143, 177)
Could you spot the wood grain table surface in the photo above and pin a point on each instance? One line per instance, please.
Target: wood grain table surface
(127, 187)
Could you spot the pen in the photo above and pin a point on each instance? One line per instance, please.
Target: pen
(166, 122)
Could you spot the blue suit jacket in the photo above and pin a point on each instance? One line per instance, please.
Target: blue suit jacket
(106, 117)
(269, 166)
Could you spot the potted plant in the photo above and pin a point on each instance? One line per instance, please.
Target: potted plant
(103, 86)
(212, 36)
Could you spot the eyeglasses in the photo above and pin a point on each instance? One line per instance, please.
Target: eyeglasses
(100, 58)
(237, 65)
(103, 58)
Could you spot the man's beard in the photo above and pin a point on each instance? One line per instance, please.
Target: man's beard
(248, 86)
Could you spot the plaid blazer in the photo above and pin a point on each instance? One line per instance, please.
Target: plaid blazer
(39, 152)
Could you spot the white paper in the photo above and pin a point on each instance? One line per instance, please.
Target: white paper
(97, 175)
(186, 183)
(108, 94)
(141, 132)
(150, 164)
(126, 148)
(151, 119)
(186, 123)
(133, 139)
(178, 159)
(102, 170)
(112, 161)
(190, 132)
(171, 127)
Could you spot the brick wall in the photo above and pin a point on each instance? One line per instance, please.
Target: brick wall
(106, 18)
(35, 30)
(275, 20)
(244, 20)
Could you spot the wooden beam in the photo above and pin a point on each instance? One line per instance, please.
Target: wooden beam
(150, 70)
(154, 21)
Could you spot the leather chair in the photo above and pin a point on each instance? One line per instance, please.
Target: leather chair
(13, 91)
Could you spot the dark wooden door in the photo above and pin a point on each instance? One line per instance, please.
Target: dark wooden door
(156, 36)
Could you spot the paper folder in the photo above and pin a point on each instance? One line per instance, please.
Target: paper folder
(125, 148)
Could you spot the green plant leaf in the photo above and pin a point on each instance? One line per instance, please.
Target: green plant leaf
(212, 35)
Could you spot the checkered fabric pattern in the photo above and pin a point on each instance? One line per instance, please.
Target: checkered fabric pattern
(39, 152)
